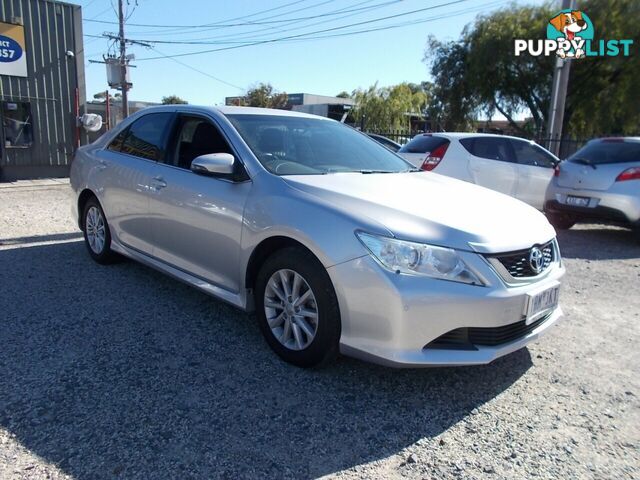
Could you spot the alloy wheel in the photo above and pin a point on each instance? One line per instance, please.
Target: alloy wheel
(291, 309)
(95, 229)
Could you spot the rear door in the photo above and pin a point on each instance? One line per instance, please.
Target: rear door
(125, 173)
(491, 163)
(535, 171)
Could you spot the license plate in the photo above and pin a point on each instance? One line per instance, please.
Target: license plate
(578, 201)
(542, 302)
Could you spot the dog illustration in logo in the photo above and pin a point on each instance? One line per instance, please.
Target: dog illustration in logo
(569, 24)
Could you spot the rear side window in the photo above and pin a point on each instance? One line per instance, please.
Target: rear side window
(531, 154)
(116, 143)
(607, 151)
(147, 136)
(423, 144)
(488, 147)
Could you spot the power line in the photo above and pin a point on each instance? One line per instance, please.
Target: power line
(206, 24)
(212, 40)
(197, 70)
(261, 42)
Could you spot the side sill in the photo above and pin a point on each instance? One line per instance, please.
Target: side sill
(238, 300)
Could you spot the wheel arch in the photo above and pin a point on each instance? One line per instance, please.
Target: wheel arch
(264, 250)
(83, 198)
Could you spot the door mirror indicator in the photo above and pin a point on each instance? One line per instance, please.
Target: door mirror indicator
(214, 164)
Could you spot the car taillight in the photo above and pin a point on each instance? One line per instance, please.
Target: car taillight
(629, 174)
(556, 171)
(434, 158)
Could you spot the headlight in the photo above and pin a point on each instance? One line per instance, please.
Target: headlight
(401, 256)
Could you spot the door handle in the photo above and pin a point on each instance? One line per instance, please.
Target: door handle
(102, 164)
(158, 183)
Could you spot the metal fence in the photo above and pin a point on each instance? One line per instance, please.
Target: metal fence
(398, 136)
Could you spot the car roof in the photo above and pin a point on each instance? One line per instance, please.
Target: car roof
(616, 139)
(228, 110)
(459, 135)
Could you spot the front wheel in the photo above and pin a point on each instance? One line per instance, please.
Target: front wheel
(560, 221)
(297, 308)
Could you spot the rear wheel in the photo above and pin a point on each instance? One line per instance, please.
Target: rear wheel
(297, 308)
(561, 221)
(97, 236)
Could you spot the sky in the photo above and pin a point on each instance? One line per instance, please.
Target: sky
(296, 62)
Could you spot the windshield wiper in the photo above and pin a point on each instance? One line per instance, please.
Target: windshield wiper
(377, 171)
(584, 161)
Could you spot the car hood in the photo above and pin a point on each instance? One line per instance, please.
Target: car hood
(431, 208)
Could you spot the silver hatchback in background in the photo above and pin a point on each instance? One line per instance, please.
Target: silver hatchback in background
(600, 182)
(335, 242)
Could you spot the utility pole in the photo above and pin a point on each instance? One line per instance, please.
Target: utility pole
(558, 95)
(123, 62)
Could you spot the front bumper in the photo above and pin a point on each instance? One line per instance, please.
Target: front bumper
(390, 319)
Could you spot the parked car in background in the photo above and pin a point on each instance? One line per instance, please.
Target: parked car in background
(335, 242)
(601, 181)
(510, 165)
(387, 142)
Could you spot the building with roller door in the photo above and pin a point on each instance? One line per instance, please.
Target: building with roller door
(42, 87)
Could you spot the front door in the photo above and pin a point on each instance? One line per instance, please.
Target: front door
(535, 171)
(197, 219)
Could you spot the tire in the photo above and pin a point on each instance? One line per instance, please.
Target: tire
(295, 345)
(560, 221)
(94, 221)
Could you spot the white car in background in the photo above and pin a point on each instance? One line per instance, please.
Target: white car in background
(510, 165)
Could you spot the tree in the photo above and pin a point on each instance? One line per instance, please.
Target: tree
(173, 100)
(343, 94)
(480, 73)
(388, 107)
(265, 96)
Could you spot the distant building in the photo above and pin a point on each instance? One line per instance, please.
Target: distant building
(42, 87)
(325, 106)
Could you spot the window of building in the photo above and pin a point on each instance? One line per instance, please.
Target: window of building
(147, 136)
(17, 124)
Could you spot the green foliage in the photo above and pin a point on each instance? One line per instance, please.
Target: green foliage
(343, 94)
(388, 107)
(481, 74)
(265, 96)
(603, 95)
(173, 100)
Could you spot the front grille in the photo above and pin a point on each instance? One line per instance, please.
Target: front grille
(468, 337)
(518, 264)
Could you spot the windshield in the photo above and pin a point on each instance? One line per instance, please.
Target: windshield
(601, 152)
(306, 146)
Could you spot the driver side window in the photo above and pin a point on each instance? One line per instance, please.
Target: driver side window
(196, 136)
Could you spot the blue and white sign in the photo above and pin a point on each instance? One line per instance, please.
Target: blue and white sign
(13, 60)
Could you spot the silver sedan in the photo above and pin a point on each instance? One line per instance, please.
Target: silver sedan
(336, 243)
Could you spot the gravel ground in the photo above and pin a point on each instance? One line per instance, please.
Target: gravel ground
(121, 372)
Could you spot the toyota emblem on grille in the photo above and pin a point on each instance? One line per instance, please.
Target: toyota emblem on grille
(536, 259)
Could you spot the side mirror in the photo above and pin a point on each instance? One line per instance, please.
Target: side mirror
(213, 164)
